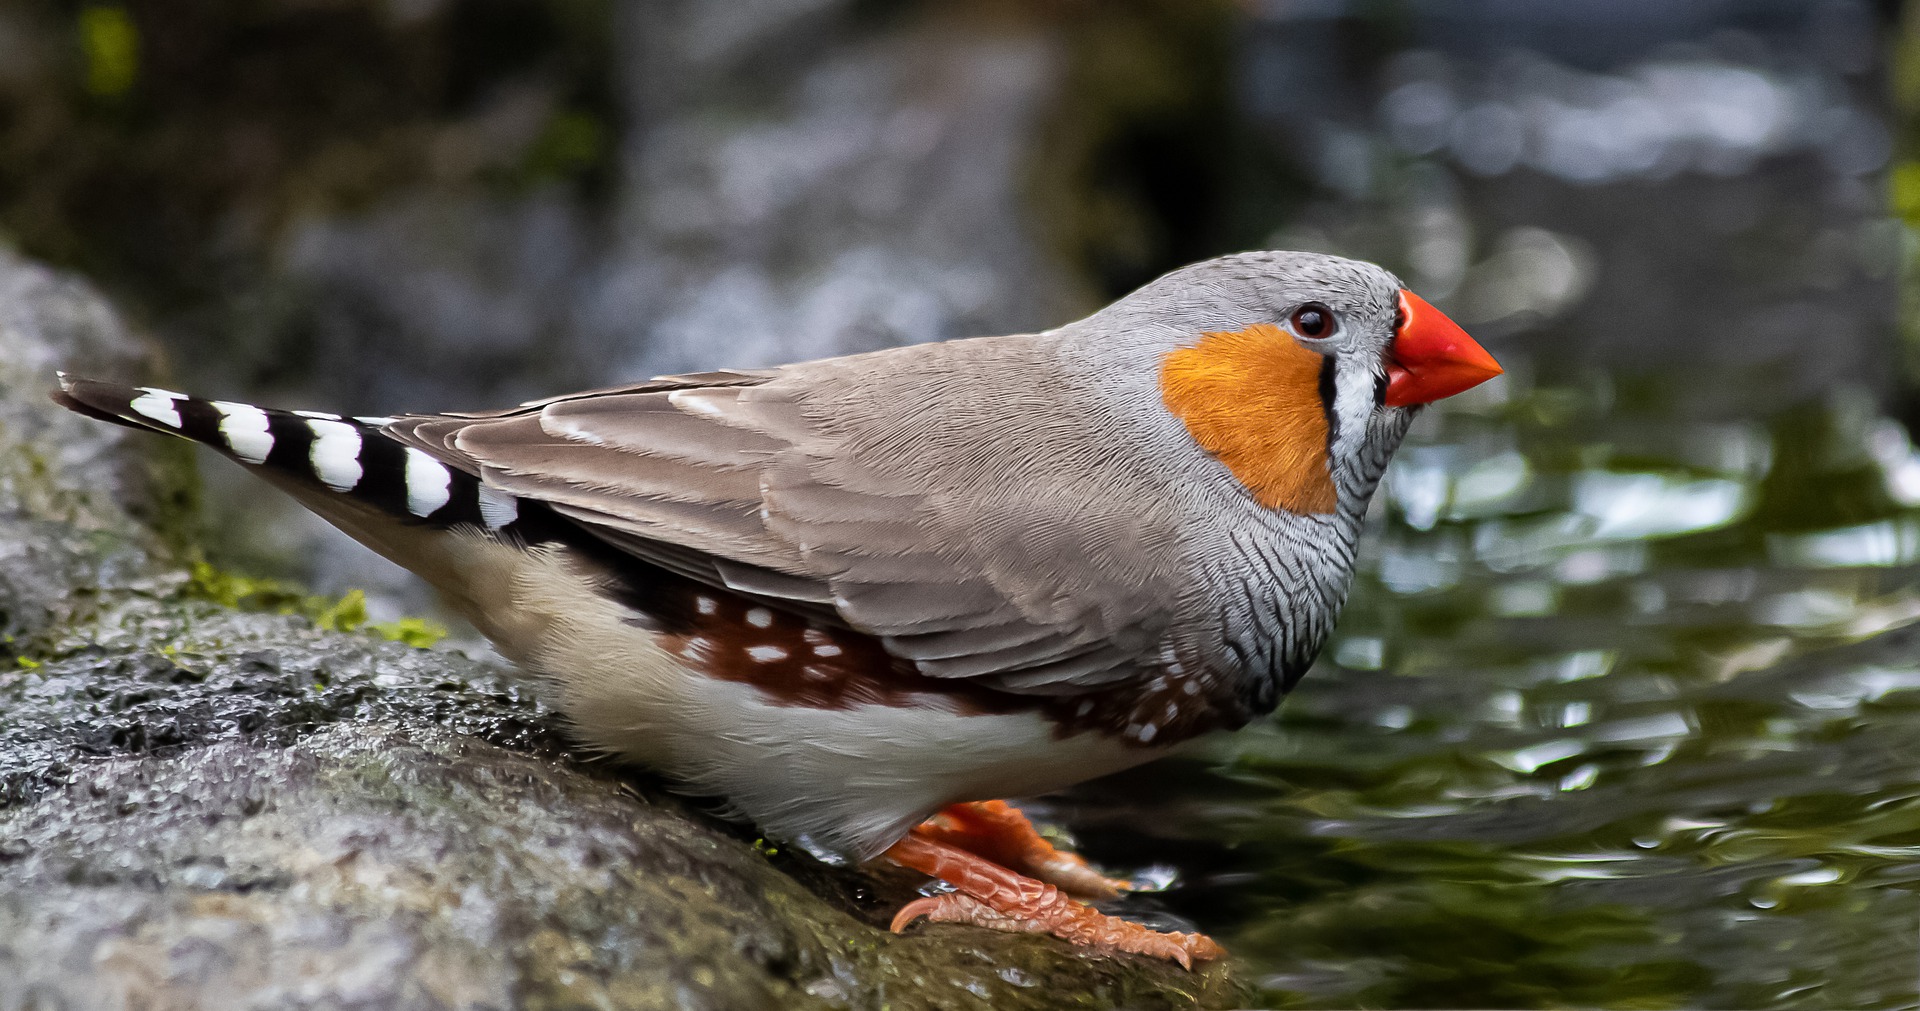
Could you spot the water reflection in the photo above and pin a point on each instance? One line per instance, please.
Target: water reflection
(1650, 120)
(1633, 186)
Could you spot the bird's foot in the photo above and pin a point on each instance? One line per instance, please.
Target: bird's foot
(996, 830)
(990, 895)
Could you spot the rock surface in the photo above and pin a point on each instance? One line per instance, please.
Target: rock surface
(208, 807)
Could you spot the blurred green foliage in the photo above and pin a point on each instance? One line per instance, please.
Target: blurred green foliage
(1136, 161)
(348, 613)
(112, 48)
(1903, 179)
(160, 146)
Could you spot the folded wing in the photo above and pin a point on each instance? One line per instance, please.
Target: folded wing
(890, 493)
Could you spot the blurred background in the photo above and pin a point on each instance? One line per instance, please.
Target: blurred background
(1625, 710)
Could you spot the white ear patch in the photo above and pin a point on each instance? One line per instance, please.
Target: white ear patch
(158, 405)
(244, 427)
(1353, 405)
(336, 453)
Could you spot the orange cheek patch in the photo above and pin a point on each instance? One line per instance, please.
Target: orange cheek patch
(1252, 398)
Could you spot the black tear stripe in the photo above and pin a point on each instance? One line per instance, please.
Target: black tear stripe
(1329, 389)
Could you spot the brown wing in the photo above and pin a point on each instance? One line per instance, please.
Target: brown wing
(910, 494)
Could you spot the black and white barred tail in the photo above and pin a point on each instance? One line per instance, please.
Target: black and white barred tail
(346, 455)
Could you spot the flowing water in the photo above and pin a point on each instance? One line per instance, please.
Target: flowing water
(1625, 708)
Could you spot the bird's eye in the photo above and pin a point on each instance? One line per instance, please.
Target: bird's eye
(1312, 321)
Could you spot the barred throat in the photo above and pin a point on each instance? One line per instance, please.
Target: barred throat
(1298, 569)
(1306, 563)
(345, 455)
(1292, 581)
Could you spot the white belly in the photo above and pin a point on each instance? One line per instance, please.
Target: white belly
(850, 780)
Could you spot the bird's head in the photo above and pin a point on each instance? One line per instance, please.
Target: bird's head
(1301, 371)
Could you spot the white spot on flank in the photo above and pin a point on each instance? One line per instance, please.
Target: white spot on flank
(706, 605)
(497, 508)
(1191, 687)
(760, 617)
(336, 453)
(1146, 733)
(826, 649)
(816, 673)
(1083, 708)
(428, 483)
(244, 426)
(767, 654)
(158, 405)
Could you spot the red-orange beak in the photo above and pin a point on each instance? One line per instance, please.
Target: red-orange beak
(1432, 358)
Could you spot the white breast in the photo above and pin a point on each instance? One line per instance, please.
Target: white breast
(848, 780)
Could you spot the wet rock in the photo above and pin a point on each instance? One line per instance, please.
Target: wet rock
(204, 807)
(82, 505)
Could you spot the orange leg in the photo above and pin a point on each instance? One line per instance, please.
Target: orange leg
(992, 896)
(997, 831)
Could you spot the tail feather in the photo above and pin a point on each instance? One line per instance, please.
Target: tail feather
(348, 456)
